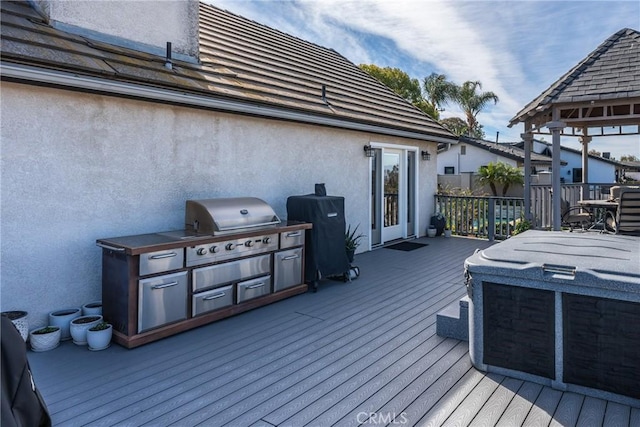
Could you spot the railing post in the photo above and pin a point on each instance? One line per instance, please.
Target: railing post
(492, 219)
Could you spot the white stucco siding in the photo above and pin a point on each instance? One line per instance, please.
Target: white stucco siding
(599, 171)
(77, 167)
(470, 161)
(174, 21)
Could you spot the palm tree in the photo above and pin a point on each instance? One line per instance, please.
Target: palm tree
(472, 102)
(438, 90)
(502, 174)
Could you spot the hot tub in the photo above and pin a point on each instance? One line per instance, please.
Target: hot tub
(561, 309)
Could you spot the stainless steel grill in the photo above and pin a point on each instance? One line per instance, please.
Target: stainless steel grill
(229, 215)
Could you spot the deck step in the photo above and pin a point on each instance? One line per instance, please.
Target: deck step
(453, 321)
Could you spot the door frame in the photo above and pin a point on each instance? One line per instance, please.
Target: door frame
(416, 204)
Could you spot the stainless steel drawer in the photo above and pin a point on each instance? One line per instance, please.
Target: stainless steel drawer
(212, 300)
(229, 272)
(162, 300)
(291, 239)
(254, 288)
(287, 266)
(157, 262)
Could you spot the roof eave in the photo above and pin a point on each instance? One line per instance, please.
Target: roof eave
(41, 76)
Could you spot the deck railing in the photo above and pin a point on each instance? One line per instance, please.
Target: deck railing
(481, 216)
(541, 206)
(496, 217)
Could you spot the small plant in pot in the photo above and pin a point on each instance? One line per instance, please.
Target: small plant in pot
(92, 308)
(352, 241)
(45, 338)
(79, 327)
(99, 336)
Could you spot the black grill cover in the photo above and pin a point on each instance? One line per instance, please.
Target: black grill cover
(325, 242)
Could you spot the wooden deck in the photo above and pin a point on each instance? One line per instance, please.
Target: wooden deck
(353, 353)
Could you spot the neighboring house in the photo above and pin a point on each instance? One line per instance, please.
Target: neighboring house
(458, 164)
(601, 169)
(104, 134)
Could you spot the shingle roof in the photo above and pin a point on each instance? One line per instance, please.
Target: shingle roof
(506, 150)
(610, 72)
(241, 61)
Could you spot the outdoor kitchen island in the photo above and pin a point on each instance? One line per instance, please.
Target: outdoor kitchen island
(234, 255)
(561, 309)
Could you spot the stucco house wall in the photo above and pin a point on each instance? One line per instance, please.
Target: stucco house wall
(79, 166)
(599, 171)
(470, 161)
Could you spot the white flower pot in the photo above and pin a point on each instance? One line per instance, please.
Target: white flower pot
(79, 326)
(94, 307)
(431, 232)
(63, 318)
(20, 321)
(99, 340)
(44, 342)
(447, 233)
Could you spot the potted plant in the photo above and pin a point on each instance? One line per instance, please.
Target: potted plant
(79, 327)
(44, 338)
(92, 308)
(99, 336)
(63, 318)
(20, 321)
(431, 231)
(352, 241)
(447, 229)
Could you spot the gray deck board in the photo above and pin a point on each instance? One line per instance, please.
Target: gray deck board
(349, 352)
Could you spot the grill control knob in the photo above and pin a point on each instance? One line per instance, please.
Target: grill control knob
(230, 246)
(214, 249)
(201, 251)
(248, 243)
(266, 240)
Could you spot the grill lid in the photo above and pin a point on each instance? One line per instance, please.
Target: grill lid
(228, 215)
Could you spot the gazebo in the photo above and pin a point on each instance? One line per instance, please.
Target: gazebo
(598, 97)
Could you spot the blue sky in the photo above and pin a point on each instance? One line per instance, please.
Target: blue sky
(517, 49)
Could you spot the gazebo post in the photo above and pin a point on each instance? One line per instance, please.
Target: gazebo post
(585, 140)
(527, 137)
(555, 126)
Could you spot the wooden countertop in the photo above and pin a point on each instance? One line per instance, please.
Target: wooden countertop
(143, 243)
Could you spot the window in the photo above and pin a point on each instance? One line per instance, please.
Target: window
(449, 170)
(463, 150)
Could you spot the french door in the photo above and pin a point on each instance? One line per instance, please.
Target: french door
(393, 187)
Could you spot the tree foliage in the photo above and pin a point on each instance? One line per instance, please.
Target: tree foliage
(402, 84)
(459, 127)
(472, 102)
(499, 173)
(629, 158)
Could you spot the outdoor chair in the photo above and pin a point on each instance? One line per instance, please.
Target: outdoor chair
(575, 217)
(628, 214)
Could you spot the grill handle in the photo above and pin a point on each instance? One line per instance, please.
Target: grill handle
(166, 285)
(290, 257)
(294, 234)
(257, 285)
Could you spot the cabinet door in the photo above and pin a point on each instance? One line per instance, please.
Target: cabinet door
(162, 300)
(287, 269)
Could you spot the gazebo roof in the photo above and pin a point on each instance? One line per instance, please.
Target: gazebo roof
(600, 93)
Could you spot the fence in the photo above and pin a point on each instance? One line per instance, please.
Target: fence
(497, 217)
(481, 216)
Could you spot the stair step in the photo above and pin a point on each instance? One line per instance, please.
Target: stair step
(453, 320)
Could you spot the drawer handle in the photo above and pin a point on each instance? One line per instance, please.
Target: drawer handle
(257, 285)
(294, 234)
(216, 296)
(161, 256)
(166, 285)
(290, 257)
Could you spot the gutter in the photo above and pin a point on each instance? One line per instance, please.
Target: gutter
(77, 82)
